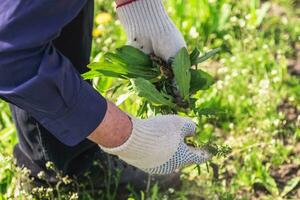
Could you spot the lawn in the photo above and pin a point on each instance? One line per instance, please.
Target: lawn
(257, 89)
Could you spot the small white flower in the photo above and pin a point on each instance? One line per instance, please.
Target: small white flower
(220, 84)
(274, 72)
(233, 59)
(292, 98)
(193, 32)
(223, 60)
(248, 16)
(276, 79)
(264, 84)
(74, 196)
(284, 20)
(276, 122)
(50, 165)
(245, 71)
(227, 37)
(230, 98)
(242, 23)
(233, 19)
(185, 24)
(235, 73)
(41, 175)
(223, 70)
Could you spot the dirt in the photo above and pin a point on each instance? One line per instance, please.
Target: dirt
(290, 111)
(277, 10)
(294, 63)
(296, 149)
(284, 173)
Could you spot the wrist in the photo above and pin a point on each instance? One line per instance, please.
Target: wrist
(114, 130)
(121, 3)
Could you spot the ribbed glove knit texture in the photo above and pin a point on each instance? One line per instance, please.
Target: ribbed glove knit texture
(157, 145)
(149, 28)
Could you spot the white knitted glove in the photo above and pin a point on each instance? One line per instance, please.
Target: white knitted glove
(157, 145)
(150, 29)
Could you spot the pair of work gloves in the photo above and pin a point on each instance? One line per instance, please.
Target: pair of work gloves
(156, 145)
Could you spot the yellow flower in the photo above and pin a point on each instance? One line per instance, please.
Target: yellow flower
(96, 32)
(103, 18)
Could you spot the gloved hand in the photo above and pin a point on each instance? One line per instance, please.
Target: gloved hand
(150, 29)
(157, 146)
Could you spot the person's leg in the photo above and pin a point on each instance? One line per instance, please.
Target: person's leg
(36, 144)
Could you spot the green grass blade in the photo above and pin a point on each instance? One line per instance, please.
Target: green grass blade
(208, 55)
(290, 186)
(134, 56)
(194, 56)
(120, 70)
(91, 74)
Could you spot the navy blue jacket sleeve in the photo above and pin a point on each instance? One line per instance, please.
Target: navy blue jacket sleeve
(37, 77)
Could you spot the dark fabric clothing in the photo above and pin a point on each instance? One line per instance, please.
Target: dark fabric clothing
(38, 75)
(36, 144)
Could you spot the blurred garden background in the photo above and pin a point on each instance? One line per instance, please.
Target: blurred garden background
(257, 84)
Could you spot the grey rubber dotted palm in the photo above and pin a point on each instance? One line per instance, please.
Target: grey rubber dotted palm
(185, 155)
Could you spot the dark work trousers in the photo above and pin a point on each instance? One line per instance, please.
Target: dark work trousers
(36, 144)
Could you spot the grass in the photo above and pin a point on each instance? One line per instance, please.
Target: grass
(254, 87)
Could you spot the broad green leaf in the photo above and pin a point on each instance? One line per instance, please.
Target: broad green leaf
(208, 55)
(200, 80)
(181, 68)
(108, 69)
(118, 60)
(113, 58)
(134, 56)
(118, 65)
(194, 56)
(121, 71)
(107, 66)
(91, 74)
(290, 186)
(146, 89)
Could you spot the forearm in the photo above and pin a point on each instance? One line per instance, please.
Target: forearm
(122, 2)
(114, 130)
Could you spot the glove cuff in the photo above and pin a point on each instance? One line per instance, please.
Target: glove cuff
(147, 17)
(131, 142)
